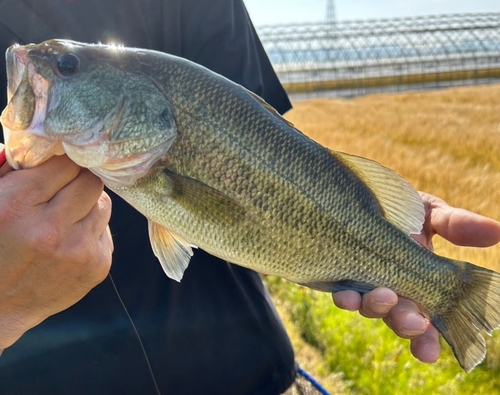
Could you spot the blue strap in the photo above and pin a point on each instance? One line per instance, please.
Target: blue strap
(315, 384)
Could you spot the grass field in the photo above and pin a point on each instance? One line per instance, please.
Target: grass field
(443, 142)
(384, 81)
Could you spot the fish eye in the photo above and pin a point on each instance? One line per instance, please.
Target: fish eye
(68, 64)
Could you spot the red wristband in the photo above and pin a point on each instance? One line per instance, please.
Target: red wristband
(2, 158)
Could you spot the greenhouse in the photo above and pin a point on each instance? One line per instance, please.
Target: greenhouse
(357, 57)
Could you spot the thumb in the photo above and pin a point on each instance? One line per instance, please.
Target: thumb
(459, 226)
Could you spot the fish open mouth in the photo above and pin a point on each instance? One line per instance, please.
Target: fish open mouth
(22, 119)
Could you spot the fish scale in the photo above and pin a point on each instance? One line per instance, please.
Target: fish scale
(212, 165)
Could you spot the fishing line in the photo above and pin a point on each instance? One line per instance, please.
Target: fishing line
(136, 333)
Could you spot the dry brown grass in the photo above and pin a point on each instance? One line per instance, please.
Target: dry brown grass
(444, 142)
(380, 81)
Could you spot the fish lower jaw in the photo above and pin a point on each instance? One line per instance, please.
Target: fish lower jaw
(26, 149)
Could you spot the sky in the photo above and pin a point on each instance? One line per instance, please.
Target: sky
(269, 12)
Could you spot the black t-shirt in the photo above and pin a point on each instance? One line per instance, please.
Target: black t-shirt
(214, 333)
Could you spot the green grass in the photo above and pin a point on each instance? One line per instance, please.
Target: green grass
(368, 357)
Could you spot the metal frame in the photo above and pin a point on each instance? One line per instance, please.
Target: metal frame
(421, 53)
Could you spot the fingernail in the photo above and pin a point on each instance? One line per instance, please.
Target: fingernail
(411, 333)
(381, 307)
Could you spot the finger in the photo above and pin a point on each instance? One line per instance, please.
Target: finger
(89, 244)
(4, 169)
(425, 239)
(107, 241)
(41, 183)
(48, 177)
(406, 320)
(465, 228)
(98, 217)
(103, 257)
(75, 200)
(378, 303)
(347, 300)
(460, 226)
(426, 347)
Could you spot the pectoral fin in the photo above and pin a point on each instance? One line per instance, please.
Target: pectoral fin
(202, 200)
(172, 251)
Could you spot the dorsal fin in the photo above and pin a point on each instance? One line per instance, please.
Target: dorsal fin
(401, 203)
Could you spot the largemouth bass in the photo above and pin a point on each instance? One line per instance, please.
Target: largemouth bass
(212, 165)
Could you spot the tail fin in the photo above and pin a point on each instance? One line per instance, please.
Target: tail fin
(479, 309)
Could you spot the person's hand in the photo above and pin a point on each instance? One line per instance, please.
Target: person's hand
(456, 225)
(55, 244)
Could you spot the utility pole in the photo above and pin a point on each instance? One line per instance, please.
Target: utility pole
(330, 12)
